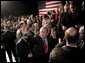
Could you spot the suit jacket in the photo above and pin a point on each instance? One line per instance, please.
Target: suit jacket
(39, 55)
(23, 48)
(8, 39)
(54, 41)
(38, 48)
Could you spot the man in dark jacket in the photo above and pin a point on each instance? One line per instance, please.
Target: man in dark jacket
(42, 46)
(24, 49)
(8, 41)
(68, 53)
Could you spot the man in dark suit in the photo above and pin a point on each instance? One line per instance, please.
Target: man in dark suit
(24, 49)
(8, 41)
(68, 53)
(42, 46)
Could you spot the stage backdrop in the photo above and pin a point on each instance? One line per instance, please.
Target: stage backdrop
(19, 7)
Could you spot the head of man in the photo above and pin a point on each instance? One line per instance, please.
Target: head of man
(6, 28)
(66, 7)
(22, 24)
(73, 7)
(29, 21)
(53, 32)
(61, 8)
(36, 26)
(71, 35)
(43, 32)
(8, 23)
(81, 32)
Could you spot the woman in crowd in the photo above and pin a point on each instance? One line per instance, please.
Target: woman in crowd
(54, 36)
(21, 30)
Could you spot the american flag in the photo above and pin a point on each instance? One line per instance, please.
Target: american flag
(48, 5)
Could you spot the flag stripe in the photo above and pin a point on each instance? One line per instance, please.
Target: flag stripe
(52, 2)
(49, 5)
(54, 5)
(42, 12)
(47, 9)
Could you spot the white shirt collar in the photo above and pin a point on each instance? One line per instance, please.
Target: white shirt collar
(67, 44)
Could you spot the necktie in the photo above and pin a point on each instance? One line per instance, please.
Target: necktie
(45, 46)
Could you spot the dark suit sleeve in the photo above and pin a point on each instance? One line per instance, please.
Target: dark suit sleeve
(50, 44)
(4, 39)
(38, 47)
(22, 49)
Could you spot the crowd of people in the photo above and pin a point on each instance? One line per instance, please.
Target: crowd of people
(56, 37)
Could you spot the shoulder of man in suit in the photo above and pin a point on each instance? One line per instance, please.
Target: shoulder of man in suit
(20, 40)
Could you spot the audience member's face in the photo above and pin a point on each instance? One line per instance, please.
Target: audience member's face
(43, 33)
(36, 26)
(22, 18)
(8, 23)
(81, 34)
(66, 8)
(72, 8)
(53, 33)
(29, 21)
(31, 16)
(61, 8)
(57, 9)
(23, 24)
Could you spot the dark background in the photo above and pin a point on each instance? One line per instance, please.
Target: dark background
(19, 8)
(41, 4)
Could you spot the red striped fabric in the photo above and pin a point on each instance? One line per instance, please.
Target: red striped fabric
(50, 5)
